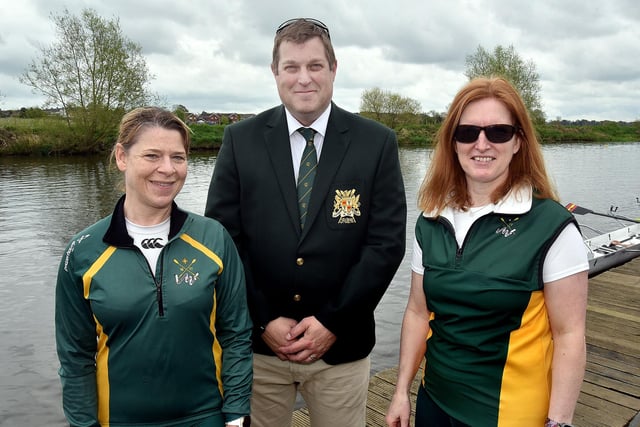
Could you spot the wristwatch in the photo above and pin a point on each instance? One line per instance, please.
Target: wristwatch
(552, 423)
(237, 422)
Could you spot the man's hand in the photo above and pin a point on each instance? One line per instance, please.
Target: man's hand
(309, 341)
(276, 335)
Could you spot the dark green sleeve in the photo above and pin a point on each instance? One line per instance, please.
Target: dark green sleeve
(233, 326)
(76, 345)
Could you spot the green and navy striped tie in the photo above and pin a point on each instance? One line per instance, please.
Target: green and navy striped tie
(306, 173)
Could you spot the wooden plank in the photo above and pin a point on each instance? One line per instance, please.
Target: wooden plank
(607, 395)
(623, 363)
(589, 416)
(601, 324)
(627, 385)
(613, 343)
(300, 418)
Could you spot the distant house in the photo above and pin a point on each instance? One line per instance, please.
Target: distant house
(215, 118)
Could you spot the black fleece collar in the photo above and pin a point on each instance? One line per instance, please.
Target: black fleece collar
(117, 235)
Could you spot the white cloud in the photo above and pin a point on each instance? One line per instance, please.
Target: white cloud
(215, 55)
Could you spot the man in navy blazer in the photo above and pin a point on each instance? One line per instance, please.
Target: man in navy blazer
(312, 288)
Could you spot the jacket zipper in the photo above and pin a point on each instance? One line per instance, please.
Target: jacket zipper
(449, 227)
(158, 282)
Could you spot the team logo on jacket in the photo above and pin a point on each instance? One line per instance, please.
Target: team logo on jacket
(186, 274)
(346, 206)
(507, 229)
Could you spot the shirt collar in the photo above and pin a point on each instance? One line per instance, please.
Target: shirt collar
(517, 202)
(319, 125)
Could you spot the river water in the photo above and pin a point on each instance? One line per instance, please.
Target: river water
(45, 201)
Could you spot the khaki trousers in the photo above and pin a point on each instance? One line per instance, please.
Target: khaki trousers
(336, 395)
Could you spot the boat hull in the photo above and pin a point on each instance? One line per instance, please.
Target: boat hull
(612, 249)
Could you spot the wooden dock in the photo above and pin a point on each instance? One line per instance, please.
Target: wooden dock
(610, 395)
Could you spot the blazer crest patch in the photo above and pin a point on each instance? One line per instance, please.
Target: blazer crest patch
(346, 206)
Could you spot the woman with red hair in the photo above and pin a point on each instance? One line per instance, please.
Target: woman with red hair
(498, 295)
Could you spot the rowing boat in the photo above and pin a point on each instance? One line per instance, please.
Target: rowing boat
(608, 250)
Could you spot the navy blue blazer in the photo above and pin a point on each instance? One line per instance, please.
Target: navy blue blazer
(336, 269)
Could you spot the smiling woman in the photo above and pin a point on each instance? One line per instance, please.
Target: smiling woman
(485, 199)
(153, 279)
(485, 160)
(155, 168)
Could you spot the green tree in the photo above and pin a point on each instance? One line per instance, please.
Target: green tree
(93, 72)
(180, 111)
(506, 63)
(389, 108)
(372, 103)
(32, 113)
(433, 117)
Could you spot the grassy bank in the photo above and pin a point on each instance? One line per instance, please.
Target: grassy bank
(549, 133)
(51, 136)
(33, 136)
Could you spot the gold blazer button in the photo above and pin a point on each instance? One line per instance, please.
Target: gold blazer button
(300, 261)
(297, 297)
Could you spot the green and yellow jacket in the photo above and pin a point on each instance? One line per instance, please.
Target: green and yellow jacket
(138, 349)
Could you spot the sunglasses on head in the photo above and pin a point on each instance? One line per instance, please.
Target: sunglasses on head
(495, 133)
(313, 21)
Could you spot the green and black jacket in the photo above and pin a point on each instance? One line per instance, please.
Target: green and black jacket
(169, 350)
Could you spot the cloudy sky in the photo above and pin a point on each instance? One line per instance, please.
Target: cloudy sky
(214, 55)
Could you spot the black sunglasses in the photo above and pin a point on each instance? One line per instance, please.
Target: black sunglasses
(313, 21)
(495, 133)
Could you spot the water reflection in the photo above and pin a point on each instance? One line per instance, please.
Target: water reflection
(43, 202)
